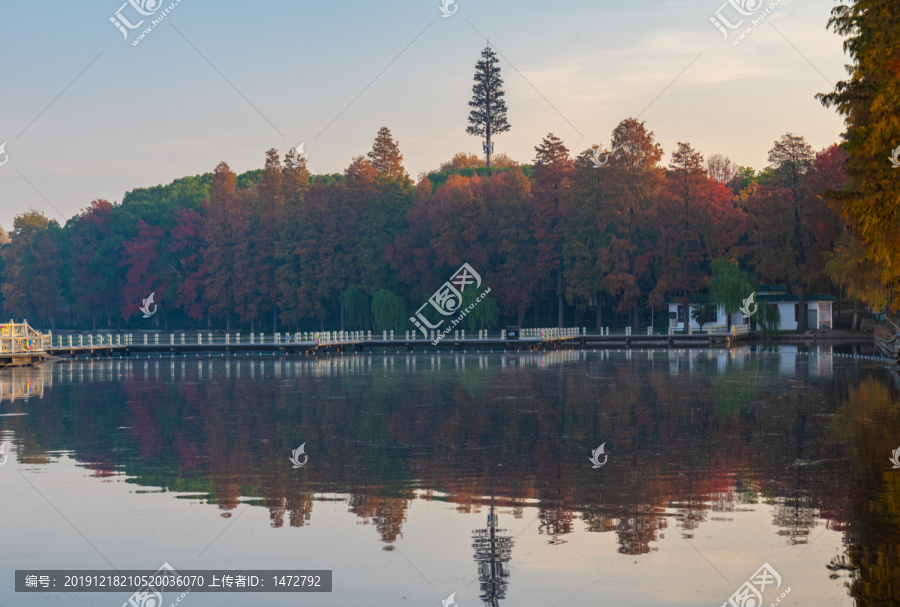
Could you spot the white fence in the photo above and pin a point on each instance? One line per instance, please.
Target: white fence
(19, 338)
(195, 338)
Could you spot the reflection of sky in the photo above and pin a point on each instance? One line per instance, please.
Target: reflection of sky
(136, 527)
(141, 531)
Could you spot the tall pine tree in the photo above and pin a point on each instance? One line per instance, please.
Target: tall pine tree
(488, 115)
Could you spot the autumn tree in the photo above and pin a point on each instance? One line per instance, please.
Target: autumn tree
(508, 241)
(585, 236)
(269, 203)
(793, 226)
(635, 182)
(224, 237)
(295, 186)
(95, 248)
(488, 115)
(868, 102)
(141, 255)
(32, 281)
(550, 191)
(189, 267)
(385, 155)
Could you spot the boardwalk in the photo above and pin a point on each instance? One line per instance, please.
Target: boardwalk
(22, 345)
(308, 343)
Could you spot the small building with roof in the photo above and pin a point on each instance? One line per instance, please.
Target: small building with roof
(819, 311)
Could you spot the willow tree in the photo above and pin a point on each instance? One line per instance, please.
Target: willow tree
(730, 286)
(488, 115)
(388, 311)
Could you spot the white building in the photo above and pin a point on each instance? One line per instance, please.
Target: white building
(819, 311)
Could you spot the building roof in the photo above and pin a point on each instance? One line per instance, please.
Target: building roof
(791, 298)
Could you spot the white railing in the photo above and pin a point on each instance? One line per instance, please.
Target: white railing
(176, 339)
(20, 338)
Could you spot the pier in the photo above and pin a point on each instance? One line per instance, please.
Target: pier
(22, 345)
(312, 343)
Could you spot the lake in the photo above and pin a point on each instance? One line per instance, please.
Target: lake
(629, 478)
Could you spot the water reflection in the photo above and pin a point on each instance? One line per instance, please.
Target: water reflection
(692, 436)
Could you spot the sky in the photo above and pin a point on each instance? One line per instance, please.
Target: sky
(86, 114)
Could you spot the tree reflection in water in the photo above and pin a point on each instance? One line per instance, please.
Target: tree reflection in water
(690, 436)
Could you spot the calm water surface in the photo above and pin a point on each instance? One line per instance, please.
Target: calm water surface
(716, 462)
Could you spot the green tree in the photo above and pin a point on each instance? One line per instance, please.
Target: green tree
(388, 311)
(730, 286)
(355, 308)
(488, 115)
(484, 315)
(701, 311)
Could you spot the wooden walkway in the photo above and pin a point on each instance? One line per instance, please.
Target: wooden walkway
(358, 341)
(22, 345)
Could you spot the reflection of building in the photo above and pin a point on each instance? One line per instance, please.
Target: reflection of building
(21, 384)
(492, 553)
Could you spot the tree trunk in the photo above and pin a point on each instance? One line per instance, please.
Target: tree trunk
(801, 311)
(253, 325)
(228, 322)
(854, 325)
(342, 315)
(687, 317)
(559, 297)
(637, 317)
(599, 314)
(275, 318)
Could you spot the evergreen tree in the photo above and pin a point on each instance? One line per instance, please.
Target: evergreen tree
(488, 116)
(386, 156)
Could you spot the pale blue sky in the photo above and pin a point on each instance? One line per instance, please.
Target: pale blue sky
(144, 115)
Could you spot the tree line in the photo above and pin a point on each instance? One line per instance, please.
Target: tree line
(589, 238)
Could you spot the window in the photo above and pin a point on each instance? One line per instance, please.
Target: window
(712, 314)
(796, 312)
(680, 313)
